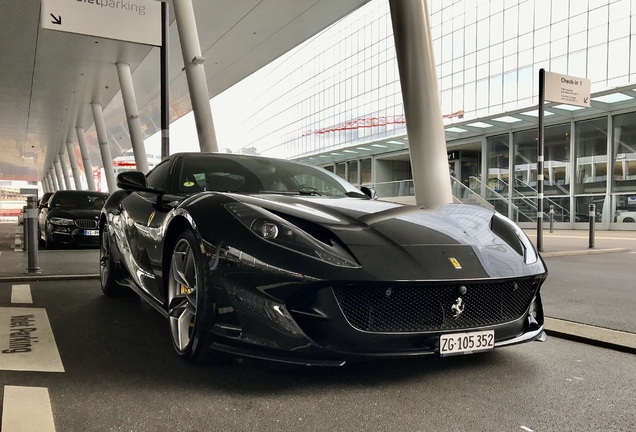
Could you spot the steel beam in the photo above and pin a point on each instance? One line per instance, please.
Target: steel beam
(104, 146)
(424, 124)
(132, 116)
(195, 74)
(86, 160)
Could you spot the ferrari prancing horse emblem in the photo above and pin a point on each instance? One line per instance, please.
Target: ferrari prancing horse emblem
(455, 263)
(458, 307)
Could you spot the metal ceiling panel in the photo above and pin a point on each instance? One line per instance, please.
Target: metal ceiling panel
(48, 78)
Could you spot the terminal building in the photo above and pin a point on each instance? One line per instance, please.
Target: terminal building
(335, 101)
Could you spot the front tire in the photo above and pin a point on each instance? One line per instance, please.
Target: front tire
(628, 220)
(191, 308)
(108, 270)
(48, 243)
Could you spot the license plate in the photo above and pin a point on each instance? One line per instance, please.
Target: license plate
(466, 343)
(91, 232)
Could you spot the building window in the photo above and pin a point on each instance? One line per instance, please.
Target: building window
(591, 156)
(624, 152)
(365, 171)
(341, 170)
(557, 160)
(525, 171)
(498, 155)
(352, 172)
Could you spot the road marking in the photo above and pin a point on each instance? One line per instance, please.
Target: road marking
(27, 342)
(21, 294)
(27, 409)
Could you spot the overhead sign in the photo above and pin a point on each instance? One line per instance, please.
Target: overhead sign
(567, 89)
(29, 191)
(136, 21)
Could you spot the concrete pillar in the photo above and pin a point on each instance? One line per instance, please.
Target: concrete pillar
(52, 179)
(67, 178)
(74, 168)
(86, 160)
(195, 74)
(45, 185)
(58, 173)
(132, 116)
(424, 125)
(104, 146)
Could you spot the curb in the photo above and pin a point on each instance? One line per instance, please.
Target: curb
(40, 277)
(591, 335)
(582, 252)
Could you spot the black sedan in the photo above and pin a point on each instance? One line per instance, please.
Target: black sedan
(279, 260)
(70, 218)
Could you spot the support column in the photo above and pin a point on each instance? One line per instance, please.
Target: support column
(195, 74)
(67, 179)
(132, 116)
(45, 186)
(58, 173)
(104, 147)
(424, 125)
(86, 160)
(70, 148)
(52, 179)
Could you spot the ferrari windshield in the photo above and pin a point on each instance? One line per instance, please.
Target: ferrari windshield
(254, 175)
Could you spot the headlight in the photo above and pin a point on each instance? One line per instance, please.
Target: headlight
(61, 221)
(278, 231)
(509, 232)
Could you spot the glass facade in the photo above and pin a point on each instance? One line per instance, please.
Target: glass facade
(338, 103)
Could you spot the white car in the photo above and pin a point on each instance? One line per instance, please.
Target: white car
(626, 217)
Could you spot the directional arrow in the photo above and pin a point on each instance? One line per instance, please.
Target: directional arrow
(56, 19)
(585, 100)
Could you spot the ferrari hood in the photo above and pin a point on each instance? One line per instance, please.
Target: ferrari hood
(375, 223)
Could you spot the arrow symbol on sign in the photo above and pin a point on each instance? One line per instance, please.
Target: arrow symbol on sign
(585, 100)
(56, 19)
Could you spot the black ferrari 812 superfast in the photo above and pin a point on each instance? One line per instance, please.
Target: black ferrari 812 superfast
(274, 259)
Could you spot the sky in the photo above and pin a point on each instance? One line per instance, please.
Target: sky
(183, 132)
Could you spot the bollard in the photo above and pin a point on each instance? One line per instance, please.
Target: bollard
(32, 234)
(551, 218)
(24, 228)
(592, 221)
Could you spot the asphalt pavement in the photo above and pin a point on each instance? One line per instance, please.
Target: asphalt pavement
(568, 253)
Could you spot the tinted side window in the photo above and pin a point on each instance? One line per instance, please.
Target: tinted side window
(158, 177)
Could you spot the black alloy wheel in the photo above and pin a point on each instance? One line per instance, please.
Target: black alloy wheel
(191, 309)
(108, 271)
(628, 220)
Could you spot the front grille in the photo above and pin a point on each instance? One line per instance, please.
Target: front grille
(428, 307)
(86, 223)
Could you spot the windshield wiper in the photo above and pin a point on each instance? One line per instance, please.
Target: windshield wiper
(301, 191)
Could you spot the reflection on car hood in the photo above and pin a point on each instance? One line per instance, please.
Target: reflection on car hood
(374, 222)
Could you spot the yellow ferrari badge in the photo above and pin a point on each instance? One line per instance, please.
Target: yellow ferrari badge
(455, 263)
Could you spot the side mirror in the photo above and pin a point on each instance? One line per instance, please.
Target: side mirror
(369, 191)
(134, 181)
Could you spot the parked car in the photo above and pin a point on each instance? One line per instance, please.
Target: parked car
(71, 218)
(626, 216)
(44, 200)
(279, 260)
